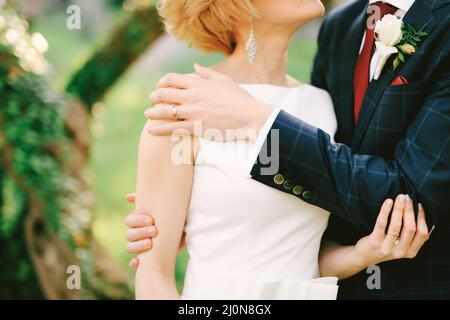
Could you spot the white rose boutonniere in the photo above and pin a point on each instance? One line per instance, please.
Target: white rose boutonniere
(391, 38)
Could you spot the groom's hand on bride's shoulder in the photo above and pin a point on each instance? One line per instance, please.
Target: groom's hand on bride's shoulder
(209, 100)
(140, 232)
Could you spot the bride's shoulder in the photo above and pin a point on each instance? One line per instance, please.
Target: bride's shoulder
(292, 82)
(318, 93)
(310, 89)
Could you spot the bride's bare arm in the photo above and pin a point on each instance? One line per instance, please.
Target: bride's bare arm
(163, 190)
(403, 240)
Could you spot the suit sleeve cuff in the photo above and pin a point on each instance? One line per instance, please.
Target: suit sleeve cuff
(261, 139)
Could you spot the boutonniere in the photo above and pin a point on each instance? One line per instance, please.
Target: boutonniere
(393, 38)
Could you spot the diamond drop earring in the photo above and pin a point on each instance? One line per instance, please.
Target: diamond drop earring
(252, 45)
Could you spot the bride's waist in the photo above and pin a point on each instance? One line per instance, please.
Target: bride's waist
(294, 253)
(205, 281)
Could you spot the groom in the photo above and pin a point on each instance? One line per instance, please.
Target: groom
(393, 135)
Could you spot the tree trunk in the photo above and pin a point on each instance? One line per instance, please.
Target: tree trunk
(110, 62)
(33, 256)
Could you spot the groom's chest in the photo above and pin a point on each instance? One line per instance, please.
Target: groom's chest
(388, 108)
(386, 114)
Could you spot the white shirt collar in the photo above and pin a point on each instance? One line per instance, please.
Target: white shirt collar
(404, 5)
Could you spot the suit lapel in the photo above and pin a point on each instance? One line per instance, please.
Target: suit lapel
(348, 55)
(420, 15)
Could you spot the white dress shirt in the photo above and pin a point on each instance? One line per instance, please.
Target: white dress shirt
(403, 7)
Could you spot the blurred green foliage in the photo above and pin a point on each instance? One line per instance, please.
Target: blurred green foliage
(101, 71)
(31, 123)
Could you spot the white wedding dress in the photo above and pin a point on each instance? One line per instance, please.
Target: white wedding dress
(247, 240)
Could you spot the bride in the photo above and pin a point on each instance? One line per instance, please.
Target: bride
(244, 239)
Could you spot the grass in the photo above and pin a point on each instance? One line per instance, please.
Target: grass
(118, 122)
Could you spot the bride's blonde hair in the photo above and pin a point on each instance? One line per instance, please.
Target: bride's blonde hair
(206, 24)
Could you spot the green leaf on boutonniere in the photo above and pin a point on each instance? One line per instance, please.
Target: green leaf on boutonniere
(395, 63)
(408, 44)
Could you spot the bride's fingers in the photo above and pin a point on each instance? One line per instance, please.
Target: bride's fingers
(208, 73)
(408, 228)
(395, 224)
(160, 111)
(176, 80)
(166, 111)
(135, 234)
(422, 226)
(134, 220)
(179, 127)
(422, 235)
(379, 231)
(169, 95)
(139, 246)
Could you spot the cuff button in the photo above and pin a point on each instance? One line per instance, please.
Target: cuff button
(278, 179)
(288, 185)
(297, 190)
(308, 195)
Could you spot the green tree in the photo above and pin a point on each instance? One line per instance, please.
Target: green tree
(45, 202)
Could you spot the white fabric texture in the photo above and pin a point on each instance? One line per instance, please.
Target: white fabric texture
(247, 240)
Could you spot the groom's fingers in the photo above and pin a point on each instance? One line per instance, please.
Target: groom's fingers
(134, 263)
(131, 197)
(134, 220)
(139, 246)
(141, 233)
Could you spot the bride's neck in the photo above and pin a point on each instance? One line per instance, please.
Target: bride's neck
(270, 66)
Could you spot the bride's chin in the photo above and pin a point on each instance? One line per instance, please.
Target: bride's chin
(317, 9)
(312, 10)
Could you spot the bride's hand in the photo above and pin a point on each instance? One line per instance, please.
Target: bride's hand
(140, 232)
(404, 237)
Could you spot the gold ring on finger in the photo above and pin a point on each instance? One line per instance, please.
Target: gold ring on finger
(174, 112)
(394, 236)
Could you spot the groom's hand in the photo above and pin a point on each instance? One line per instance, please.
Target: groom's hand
(140, 232)
(209, 101)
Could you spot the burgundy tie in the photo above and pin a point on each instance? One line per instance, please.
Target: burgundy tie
(361, 76)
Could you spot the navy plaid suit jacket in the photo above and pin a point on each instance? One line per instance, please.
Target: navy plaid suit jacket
(401, 144)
